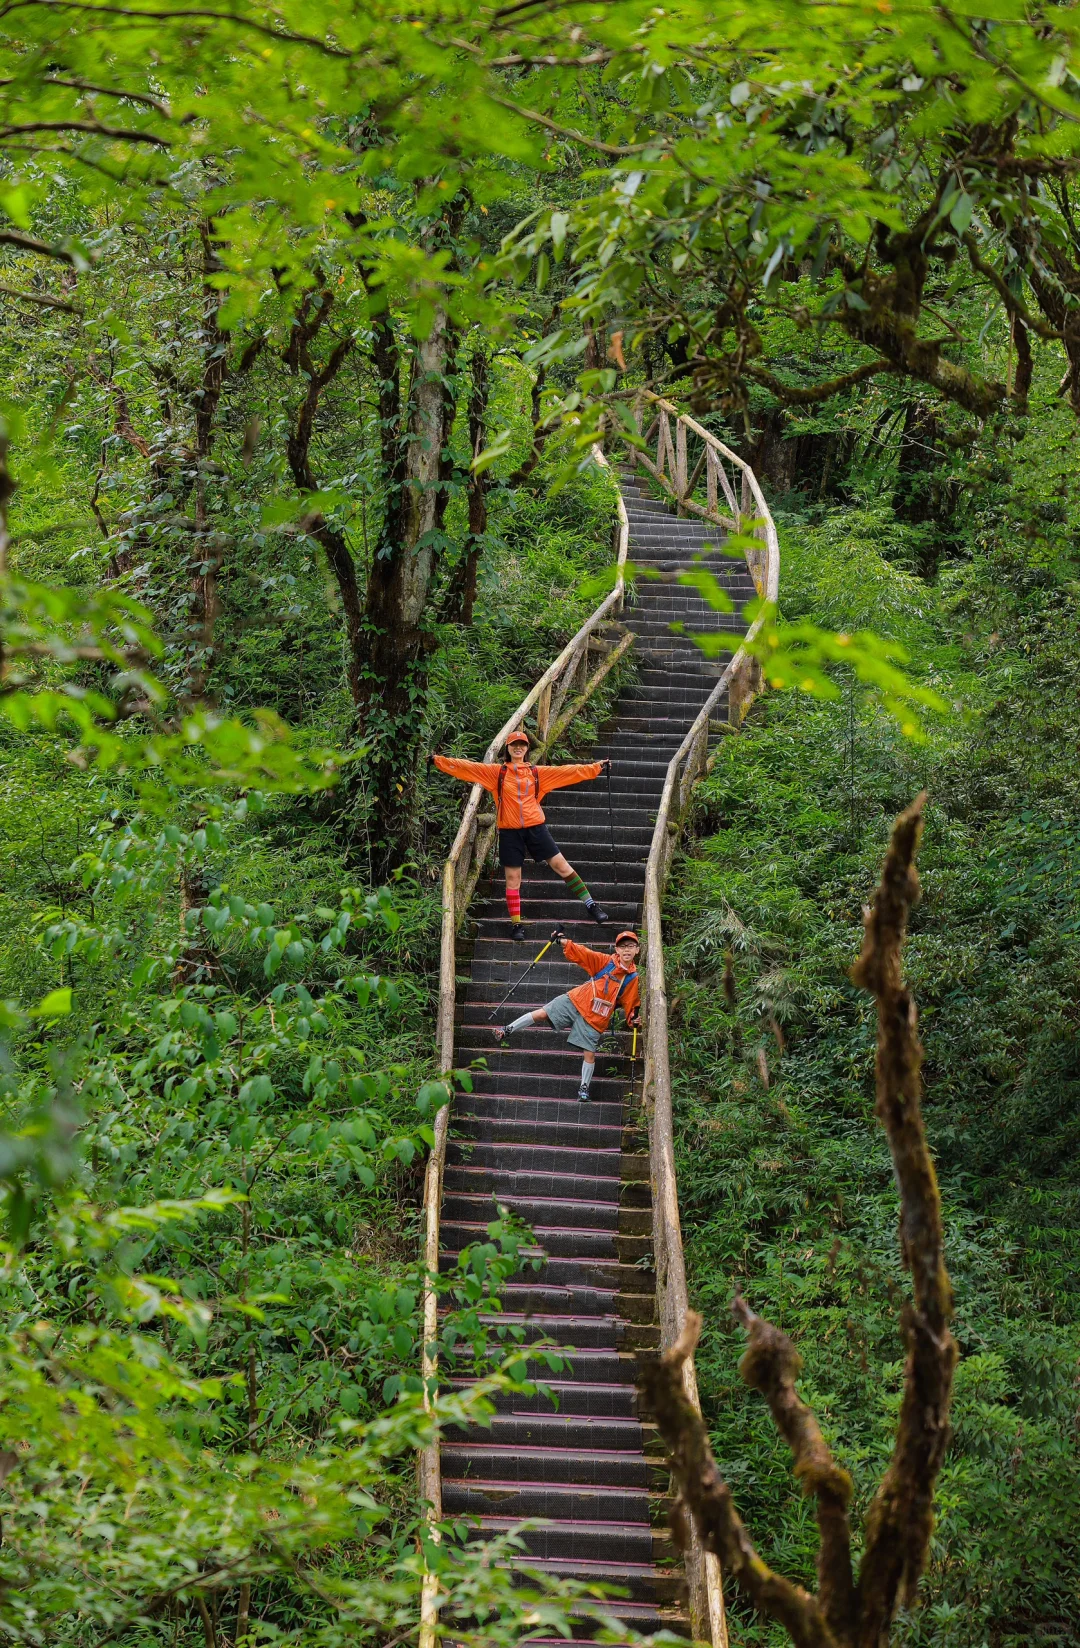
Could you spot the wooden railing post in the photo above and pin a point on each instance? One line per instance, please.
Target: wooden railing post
(543, 713)
(690, 760)
(581, 670)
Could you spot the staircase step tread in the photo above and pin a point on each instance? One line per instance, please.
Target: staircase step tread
(578, 1171)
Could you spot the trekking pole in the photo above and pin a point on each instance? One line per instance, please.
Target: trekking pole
(525, 974)
(611, 826)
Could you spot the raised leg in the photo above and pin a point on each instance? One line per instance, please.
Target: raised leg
(562, 867)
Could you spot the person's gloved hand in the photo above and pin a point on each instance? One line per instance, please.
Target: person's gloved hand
(605, 765)
(559, 935)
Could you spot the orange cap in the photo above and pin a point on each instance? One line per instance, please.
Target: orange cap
(518, 736)
(627, 932)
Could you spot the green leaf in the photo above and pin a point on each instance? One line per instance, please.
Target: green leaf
(960, 216)
(55, 1005)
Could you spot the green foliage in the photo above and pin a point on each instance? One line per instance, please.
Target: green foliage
(825, 170)
(785, 1181)
(215, 1030)
(212, 1304)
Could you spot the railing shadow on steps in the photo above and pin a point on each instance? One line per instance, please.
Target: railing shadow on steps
(554, 708)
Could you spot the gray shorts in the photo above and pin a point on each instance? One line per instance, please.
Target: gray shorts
(563, 1015)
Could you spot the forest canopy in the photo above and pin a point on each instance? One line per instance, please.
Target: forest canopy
(312, 314)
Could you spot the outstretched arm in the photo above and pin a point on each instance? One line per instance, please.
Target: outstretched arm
(557, 778)
(470, 772)
(580, 954)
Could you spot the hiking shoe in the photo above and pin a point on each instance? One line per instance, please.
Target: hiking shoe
(517, 931)
(583, 1092)
(598, 913)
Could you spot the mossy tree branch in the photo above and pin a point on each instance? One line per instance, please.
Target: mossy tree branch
(845, 1612)
(901, 1517)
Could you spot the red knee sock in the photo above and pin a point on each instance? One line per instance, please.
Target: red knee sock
(513, 902)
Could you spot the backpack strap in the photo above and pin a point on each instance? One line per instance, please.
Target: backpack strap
(606, 971)
(629, 979)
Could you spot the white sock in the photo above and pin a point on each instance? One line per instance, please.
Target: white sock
(587, 1072)
(518, 1024)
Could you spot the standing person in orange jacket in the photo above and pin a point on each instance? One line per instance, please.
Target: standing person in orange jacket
(518, 789)
(589, 1009)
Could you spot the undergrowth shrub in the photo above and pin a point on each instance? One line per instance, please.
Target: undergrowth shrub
(785, 1181)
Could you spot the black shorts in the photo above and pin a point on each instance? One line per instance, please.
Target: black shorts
(515, 845)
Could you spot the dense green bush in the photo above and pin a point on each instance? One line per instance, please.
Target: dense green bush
(785, 1181)
(215, 1133)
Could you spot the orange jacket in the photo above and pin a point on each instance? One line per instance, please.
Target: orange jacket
(522, 787)
(595, 999)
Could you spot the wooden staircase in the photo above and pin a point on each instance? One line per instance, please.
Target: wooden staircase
(578, 1173)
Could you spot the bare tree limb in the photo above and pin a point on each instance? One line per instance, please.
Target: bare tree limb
(1009, 299)
(844, 1614)
(811, 394)
(535, 118)
(771, 1364)
(901, 1517)
(94, 127)
(1025, 365)
(40, 299)
(27, 243)
(239, 21)
(709, 1500)
(101, 91)
(121, 410)
(540, 433)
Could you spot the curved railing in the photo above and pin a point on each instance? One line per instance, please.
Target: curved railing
(561, 692)
(551, 699)
(690, 762)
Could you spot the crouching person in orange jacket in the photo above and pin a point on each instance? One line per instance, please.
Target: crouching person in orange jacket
(518, 789)
(589, 1009)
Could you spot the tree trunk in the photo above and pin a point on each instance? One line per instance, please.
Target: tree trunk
(461, 595)
(811, 462)
(193, 957)
(478, 484)
(393, 687)
(924, 495)
(1055, 281)
(1021, 386)
(310, 318)
(204, 606)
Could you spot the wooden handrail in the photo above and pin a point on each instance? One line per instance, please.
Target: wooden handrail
(555, 704)
(690, 762)
(464, 866)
